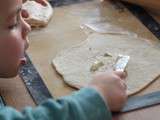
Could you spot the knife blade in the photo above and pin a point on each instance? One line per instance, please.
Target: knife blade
(2, 103)
(140, 102)
(145, 18)
(57, 3)
(34, 83)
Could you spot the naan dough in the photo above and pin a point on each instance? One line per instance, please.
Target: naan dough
(144, 66)
(105, 27)
(39, 15)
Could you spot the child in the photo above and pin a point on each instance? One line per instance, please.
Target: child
(106, 92)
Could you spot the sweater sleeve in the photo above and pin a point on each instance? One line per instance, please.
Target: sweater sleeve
(85, 104)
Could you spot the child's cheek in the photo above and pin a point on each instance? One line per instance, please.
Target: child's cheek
(15, 46)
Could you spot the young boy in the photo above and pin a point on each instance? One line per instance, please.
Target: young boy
(106, 92)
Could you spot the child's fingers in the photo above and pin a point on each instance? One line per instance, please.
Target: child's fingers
(24, 13)
(121, 74)
(42, 2)
(124, 84)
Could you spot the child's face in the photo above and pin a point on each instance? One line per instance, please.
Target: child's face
(13, 37)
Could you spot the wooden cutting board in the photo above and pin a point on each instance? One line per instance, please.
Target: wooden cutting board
(64, 31)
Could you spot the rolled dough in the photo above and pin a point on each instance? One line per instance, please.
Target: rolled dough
(144, 66)
(39, 15)
(105, 27)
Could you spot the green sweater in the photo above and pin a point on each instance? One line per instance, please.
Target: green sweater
(85, 104)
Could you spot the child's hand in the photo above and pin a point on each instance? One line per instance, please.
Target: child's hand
(42, 2)
(112, 87)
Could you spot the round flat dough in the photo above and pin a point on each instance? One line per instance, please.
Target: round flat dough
(74, 64)
(39, 15)
(105, 27)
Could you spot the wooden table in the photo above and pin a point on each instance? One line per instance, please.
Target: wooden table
(63, 32)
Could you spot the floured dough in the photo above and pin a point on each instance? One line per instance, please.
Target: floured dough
(39, 15)
(105, 27)
(74, 64)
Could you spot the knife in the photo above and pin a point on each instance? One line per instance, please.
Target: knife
(2, 103)
(57, 3)
(139, 102)
(34, 83)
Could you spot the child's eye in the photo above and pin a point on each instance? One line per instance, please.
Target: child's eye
(13, 26)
